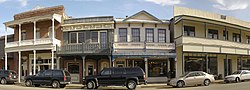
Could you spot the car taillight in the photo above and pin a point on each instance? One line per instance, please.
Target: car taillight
(64, 78)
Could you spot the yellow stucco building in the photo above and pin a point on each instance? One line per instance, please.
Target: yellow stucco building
(209, 42)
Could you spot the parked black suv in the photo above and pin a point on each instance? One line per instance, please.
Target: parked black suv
(7, 76)
(129, 77)
(54, 78)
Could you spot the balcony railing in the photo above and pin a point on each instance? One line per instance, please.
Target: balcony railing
(42, 41)
(142, 45)
(211, 42)
(84, 48)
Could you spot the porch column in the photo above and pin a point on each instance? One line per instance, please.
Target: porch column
(146, 67)
(34, 63)
(52, 59)
(34, 34)
(5, 54)
(227, 70)
(83, 67)
(58, 62)
(207, 69)
(19, 34)
(19, 66)
(53, 29)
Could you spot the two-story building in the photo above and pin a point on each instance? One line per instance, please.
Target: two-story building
(142, 40)
(11, 64)
(37, 33)
(86, 47)
(210, 42)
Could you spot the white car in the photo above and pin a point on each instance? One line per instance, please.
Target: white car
(192, 79)
(238, 76)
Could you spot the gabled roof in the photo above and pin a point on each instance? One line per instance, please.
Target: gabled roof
(145, 13)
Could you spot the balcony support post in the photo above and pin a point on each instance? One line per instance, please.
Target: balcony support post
(5, 54)
(34, 33)
(83, 67)
(34, 62)
(53, 30)
(19, 66)
(52, 59)
(146, 66)
(19, 34)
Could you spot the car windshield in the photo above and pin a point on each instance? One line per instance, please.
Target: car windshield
(237, 72)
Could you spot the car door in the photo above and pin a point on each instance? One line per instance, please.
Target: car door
(200, 77)
(38, 78)
(244, 75)
(104, 77)
(47, 78)
(190, 79)
(118, 76)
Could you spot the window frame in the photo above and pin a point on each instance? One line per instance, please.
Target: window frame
(125, 36)
(147, 33)
(136, 35)
(165, 37)
(91, 36)
(236, 37)
(189, 29)
(213, 32)
(70, 37)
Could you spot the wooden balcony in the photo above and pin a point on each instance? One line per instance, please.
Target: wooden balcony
(84, 48)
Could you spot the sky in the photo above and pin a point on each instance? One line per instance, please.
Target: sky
(162, 9)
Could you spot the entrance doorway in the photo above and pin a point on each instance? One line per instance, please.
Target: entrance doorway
(227, 67)
(90, 69)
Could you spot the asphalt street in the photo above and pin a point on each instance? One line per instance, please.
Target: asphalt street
(230, 86)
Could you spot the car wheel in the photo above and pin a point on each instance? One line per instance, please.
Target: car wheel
(207, 82)
(62, 85)
(37, 85)
(55, 84)
(237, 79)
(131, 84)
(28, 83)
(3, 81)
(91, 85)
(180, 84)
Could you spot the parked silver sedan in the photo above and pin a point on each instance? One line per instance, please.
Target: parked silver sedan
(192, 78)
(237, 76)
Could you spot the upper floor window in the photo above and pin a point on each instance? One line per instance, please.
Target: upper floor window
(81, 37)
(73, 37)
(123, 34)
(162, 35)
(135, 34)
(189, 31)
(23, 35)
(225, 35)
(149, 35)
(248, 39)
(212, 34)
(236, 37)
(94, 36)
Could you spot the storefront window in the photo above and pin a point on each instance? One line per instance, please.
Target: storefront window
(199, 63)
(73, 68)
(244, 64)
(157, 68)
